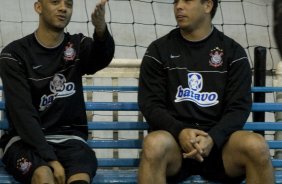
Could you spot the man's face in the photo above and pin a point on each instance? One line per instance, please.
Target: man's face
(190, 14)
(55, 14)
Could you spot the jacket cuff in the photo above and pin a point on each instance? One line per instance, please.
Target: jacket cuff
(217, 138)
(104, 37)
(47, 154)
(175, 131)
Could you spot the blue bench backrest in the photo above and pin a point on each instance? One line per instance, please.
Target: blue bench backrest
(142, 126)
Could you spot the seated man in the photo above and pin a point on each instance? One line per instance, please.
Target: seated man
(195, 93)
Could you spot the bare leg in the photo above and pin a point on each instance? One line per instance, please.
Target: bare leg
(43, 175)
(79, 176)
(247, 153)
(161, 157)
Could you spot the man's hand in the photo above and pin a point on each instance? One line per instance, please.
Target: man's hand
(98, 18)
(59, 172)
(205, 143)
(190, 144)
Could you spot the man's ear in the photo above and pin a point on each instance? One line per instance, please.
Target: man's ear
(208, 6)
(38, 7)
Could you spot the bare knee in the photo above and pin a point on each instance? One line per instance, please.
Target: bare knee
(79, 177)
(157, 144)
(42, 175)
(254, 148)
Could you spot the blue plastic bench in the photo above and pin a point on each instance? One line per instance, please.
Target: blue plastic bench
(124, 170)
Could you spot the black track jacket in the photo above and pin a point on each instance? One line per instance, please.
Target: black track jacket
(203, 85)
(43, 86)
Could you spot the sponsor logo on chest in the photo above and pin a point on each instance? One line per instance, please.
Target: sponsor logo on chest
(194, 92)
(60, 89)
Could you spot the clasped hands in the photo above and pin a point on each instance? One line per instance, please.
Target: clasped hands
(195, 143)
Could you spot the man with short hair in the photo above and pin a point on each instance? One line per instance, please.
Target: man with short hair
(195, 93)
(42, 82)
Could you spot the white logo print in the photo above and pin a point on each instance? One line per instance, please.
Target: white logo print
(36, 67)
(60, 89)
(174, 56)
(193, 92)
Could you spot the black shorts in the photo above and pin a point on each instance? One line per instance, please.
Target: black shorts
(74, 155)
(211, 169)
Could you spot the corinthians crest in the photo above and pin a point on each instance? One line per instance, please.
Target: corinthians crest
(216, 57)
(69, 53)
(23, 165)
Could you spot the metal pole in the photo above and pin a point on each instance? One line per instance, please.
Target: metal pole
(259, 80)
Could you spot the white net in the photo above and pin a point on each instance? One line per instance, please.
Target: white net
(136, 23)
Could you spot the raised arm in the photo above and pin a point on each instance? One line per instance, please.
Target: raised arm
(96, 54)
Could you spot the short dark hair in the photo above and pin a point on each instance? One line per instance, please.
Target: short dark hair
(214, 8)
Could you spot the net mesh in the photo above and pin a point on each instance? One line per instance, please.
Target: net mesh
(134, 24)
